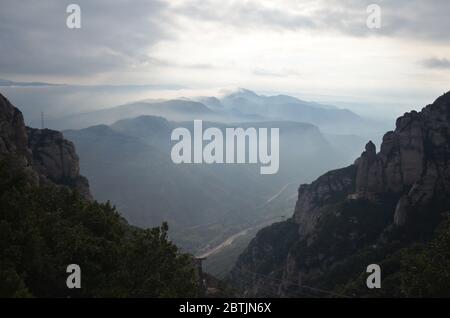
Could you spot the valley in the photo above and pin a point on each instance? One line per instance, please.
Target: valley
(213, 210)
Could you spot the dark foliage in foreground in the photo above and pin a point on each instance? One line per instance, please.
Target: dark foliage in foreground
(44, 229)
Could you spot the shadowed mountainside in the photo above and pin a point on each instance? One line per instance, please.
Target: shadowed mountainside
(383, 209)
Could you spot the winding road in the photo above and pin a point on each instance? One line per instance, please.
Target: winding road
(233, 237)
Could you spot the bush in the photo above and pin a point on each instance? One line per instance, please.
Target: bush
(44, 229)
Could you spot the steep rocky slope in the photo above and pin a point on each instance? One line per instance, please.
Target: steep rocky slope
(13, 136)
(46, 155)
(358, 215)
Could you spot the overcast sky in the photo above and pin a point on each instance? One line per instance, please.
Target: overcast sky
(314, 48)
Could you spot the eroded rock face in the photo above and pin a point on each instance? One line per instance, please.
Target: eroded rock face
(413, 161)
(331, 187)
(55, 159)
(43, 152)
(369, 177)
(401, 210)
(13, 136)
(53, 156)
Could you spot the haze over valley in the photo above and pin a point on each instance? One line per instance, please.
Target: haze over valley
(128, 162)
(124, 151)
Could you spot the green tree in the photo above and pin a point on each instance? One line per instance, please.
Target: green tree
(45, 228)
(427, 271)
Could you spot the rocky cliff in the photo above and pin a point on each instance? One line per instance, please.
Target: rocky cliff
(350, 217)
(13, 135)
(46, 155)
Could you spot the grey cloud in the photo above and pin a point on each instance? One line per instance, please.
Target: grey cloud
(437, 63)
(414, 19)
(422, 19)
(243, 14)
(114, 34)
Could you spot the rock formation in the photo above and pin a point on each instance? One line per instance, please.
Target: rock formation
(13, 136)
(44, 152)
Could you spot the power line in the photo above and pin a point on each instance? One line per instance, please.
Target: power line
(292, 294)
(320, 290)
(306, 286)
(247, 282)
(288, 294)
(272, 293)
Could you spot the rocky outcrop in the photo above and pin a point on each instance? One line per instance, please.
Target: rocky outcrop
(327, 189)
(13, 136)
(404, 188)
(413, 161)
(55, 159)
(44, 152)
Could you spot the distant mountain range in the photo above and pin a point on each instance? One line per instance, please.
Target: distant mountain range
(240, 106)
(4, 82)
(327, 118)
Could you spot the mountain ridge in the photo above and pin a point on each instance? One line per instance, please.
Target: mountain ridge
(240, 106)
